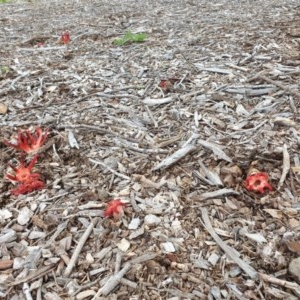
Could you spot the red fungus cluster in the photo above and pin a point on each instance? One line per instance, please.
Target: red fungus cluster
(27, 142)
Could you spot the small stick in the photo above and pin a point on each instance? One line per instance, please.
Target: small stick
(109, 169)
(188, 62)
(118, 262)
(26, 291)
(39, 273)
(130, 283)
(88, 127)
(230, 252)
(176, 156)
(39, 290)
(170, 141)
(79, 247)
(129, 146)
(290, 285)
(286, 165)
(43, 49)
(142, 258)
(111, 182)
(147, 182)
(112, 282)
(58, 231)
(283, 87)
(134, 205)
(218, 193)
(103, 253)
(151, 116)
(86, 286)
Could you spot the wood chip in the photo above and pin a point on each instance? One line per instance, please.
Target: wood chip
(285, 167)
(179, 154)
(3, 109)
(166, 125)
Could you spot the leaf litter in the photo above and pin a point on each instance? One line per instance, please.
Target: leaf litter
(171, 127)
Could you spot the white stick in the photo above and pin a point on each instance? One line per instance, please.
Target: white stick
(26, 291)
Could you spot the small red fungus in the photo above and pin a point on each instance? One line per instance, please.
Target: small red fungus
(114, 208)
(163, 84)
(28, 142)
(28, 187)
(258, 182)
(166, 85)
(23, 174)
(65, 37)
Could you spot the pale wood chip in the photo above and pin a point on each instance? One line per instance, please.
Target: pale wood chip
(176, 156)
(285, 165)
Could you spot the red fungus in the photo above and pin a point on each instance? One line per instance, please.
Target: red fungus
(29, 182)
(28, 187)
(163, 84)
(166, 85)
(28, 142)
(65, 37)
(23, 174)
(258, 182)
(114, 208)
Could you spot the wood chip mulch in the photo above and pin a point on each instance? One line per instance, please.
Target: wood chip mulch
(172, 126)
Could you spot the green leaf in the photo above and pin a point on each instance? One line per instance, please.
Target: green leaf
(4, 69)
(131, 38)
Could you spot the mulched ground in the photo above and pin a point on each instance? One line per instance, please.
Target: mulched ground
(172, 127)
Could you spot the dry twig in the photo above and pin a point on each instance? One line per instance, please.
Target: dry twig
(227, 249)
(285, 166)
(79, 247)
